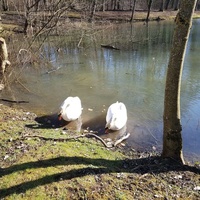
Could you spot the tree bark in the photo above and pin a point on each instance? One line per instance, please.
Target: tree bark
(167, 4)
(176, 5)
(5, 5)
(133, 10)
(172, 137)
(94, 2)
(162, 6)
(149, 9)
(197, 5)
(103, 7)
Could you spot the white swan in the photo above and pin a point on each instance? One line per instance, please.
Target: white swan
(116, 117)
(70, 109)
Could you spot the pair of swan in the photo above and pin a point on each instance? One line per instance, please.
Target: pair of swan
(116, 117)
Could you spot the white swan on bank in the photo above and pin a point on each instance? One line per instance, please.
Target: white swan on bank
(116, 117)
(70, 109)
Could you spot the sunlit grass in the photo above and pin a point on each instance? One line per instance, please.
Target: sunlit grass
(32, 168)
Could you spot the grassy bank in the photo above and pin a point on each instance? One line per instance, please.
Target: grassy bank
(33, 168)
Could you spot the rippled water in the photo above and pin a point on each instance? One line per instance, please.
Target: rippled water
(135, 75)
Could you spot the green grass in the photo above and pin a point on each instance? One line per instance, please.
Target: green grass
(32, 168)
(48, 169)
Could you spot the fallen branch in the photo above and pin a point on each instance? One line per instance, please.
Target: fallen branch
(87, 135)
(121, 139)
(109, 47)
(13, 101)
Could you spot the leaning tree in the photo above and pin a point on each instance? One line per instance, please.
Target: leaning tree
(172, 138)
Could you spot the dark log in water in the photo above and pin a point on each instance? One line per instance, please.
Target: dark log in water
(109, 47)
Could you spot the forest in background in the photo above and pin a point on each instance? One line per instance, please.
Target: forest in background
(87, 5)
(40, 16)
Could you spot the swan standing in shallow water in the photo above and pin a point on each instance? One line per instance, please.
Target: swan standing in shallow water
(116, 117)
(70, 109)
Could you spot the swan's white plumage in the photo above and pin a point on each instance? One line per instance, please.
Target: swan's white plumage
(116, 117)
(71, 109)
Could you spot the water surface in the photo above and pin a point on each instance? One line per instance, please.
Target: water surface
(135, 75)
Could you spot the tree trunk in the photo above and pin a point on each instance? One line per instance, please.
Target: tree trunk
(27, 12)
(0, 22)
(118, 5)
(197, 5)
(149, 9)
(114, 4)
(167, 4)
(103, 7)
(5, 5)
(36, 5)
(176, 5)
(161, 6)
(92, 10)
(133, 10)
(172, 138)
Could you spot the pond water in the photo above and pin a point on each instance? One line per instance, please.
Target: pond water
(135, 75)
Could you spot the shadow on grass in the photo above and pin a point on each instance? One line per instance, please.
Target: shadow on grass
(52, 122)
(145, 165)
(47, 122)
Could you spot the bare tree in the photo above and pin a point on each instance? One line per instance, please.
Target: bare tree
(5, 5)
(28, 9)
(94, 4)
(133, 10)
(167, 4)
(149, 2)
(46, 21)
(197, 5)
(103, 5)
(176, 4)
(162, 6)
(172, 138)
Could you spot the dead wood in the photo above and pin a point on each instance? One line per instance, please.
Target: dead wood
(87, 135)
(109, 47)
(121, 139)
(13, 101)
